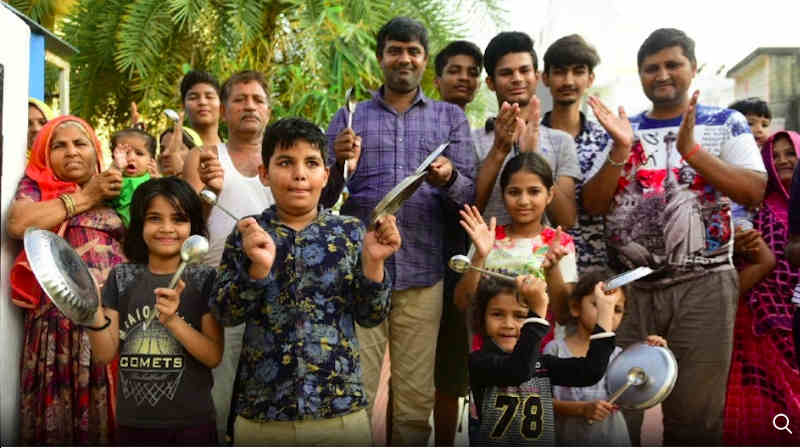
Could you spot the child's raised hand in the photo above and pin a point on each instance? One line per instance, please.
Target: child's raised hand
(596, 411)
(258, 246)
(555, 251)
(167, 302)
(605, 306)
(482, 236)
(383, 240)
(656, 341)
(534, 293)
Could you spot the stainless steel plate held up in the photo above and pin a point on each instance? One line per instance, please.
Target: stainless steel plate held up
(394, 199)
(431, 157)
(62, 274)
(657, 362)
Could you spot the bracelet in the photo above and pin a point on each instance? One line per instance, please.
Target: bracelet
(613, 163)
(691, 153)
(108, 322)
(69, 204)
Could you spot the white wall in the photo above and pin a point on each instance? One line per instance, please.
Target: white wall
(14, 58)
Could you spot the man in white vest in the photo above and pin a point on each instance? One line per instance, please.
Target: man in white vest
(231, 171)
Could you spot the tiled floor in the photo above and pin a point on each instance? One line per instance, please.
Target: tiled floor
(651, 431)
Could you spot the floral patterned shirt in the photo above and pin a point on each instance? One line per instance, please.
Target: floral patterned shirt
(589, 233)
(524, 256)
(300, 355)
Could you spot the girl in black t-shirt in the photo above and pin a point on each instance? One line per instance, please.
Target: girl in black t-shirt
(164, 393)
(511, 381)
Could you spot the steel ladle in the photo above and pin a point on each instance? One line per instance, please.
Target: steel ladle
(636, 377)
(172, 115)
(210, 198)
(461, 264)
(194, 247)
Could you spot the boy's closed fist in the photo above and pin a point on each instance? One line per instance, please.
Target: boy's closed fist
(383, 240)
(258, 246)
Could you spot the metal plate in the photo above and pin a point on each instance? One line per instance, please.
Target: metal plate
(660, 366)
(431, 157)
(394, 199)
(62, 274)
(627, 277)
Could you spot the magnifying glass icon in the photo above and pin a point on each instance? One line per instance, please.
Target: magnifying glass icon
(783, 418)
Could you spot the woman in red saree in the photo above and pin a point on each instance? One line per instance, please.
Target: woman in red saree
(65, 398)
(764, 379)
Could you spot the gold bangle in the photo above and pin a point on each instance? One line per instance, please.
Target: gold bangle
(69, 204)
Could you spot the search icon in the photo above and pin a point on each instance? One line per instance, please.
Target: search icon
(785, 427)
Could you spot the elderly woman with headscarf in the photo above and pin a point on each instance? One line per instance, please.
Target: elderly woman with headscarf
(764, 377)
(65, 398)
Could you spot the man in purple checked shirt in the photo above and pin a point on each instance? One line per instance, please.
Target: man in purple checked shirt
(392, 134)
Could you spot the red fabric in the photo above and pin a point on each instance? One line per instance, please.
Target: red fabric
(25, 290)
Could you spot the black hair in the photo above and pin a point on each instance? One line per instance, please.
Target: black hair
(752, 106)
(488, 288)
(187, 140)
(456, 48)
(179, 193)
(150, 142)
(665, 38)
(243, 77)
(403, 29)
(197, 77)
(529, 162)
(505, 43)
(570, 50)
(585, 287)
(286, 131)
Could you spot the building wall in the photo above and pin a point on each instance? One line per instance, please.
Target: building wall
(754, 79)
(784, 82)
(14, 59)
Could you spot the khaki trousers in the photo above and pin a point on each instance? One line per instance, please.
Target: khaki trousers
(411, 331)
(696, 318)
(348, 430)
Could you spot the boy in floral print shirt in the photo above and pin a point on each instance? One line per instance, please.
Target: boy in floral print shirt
(299, 277)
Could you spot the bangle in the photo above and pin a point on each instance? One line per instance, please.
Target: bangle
(69, 204)
(101, 328)
(613, 163)
(691, 153)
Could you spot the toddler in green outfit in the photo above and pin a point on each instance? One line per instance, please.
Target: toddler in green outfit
(134, 154)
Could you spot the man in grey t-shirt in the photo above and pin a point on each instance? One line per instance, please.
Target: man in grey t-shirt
(511, 72)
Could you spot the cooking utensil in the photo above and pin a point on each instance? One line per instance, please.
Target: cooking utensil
(461, 264)
(62, 274)
(626, 277)
(193, 248)
(350, 105)
(659, 371)
(210, 198)
(172, 115)
(395, 198)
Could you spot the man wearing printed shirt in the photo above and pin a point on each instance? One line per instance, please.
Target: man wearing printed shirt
(392, 134)
(568, 72)
(667, 201)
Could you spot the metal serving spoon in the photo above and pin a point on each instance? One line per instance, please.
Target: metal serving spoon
(172, 115)
(461, 264)
(636, 377)
(193, 248)
(350, 104)
(210, 198)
